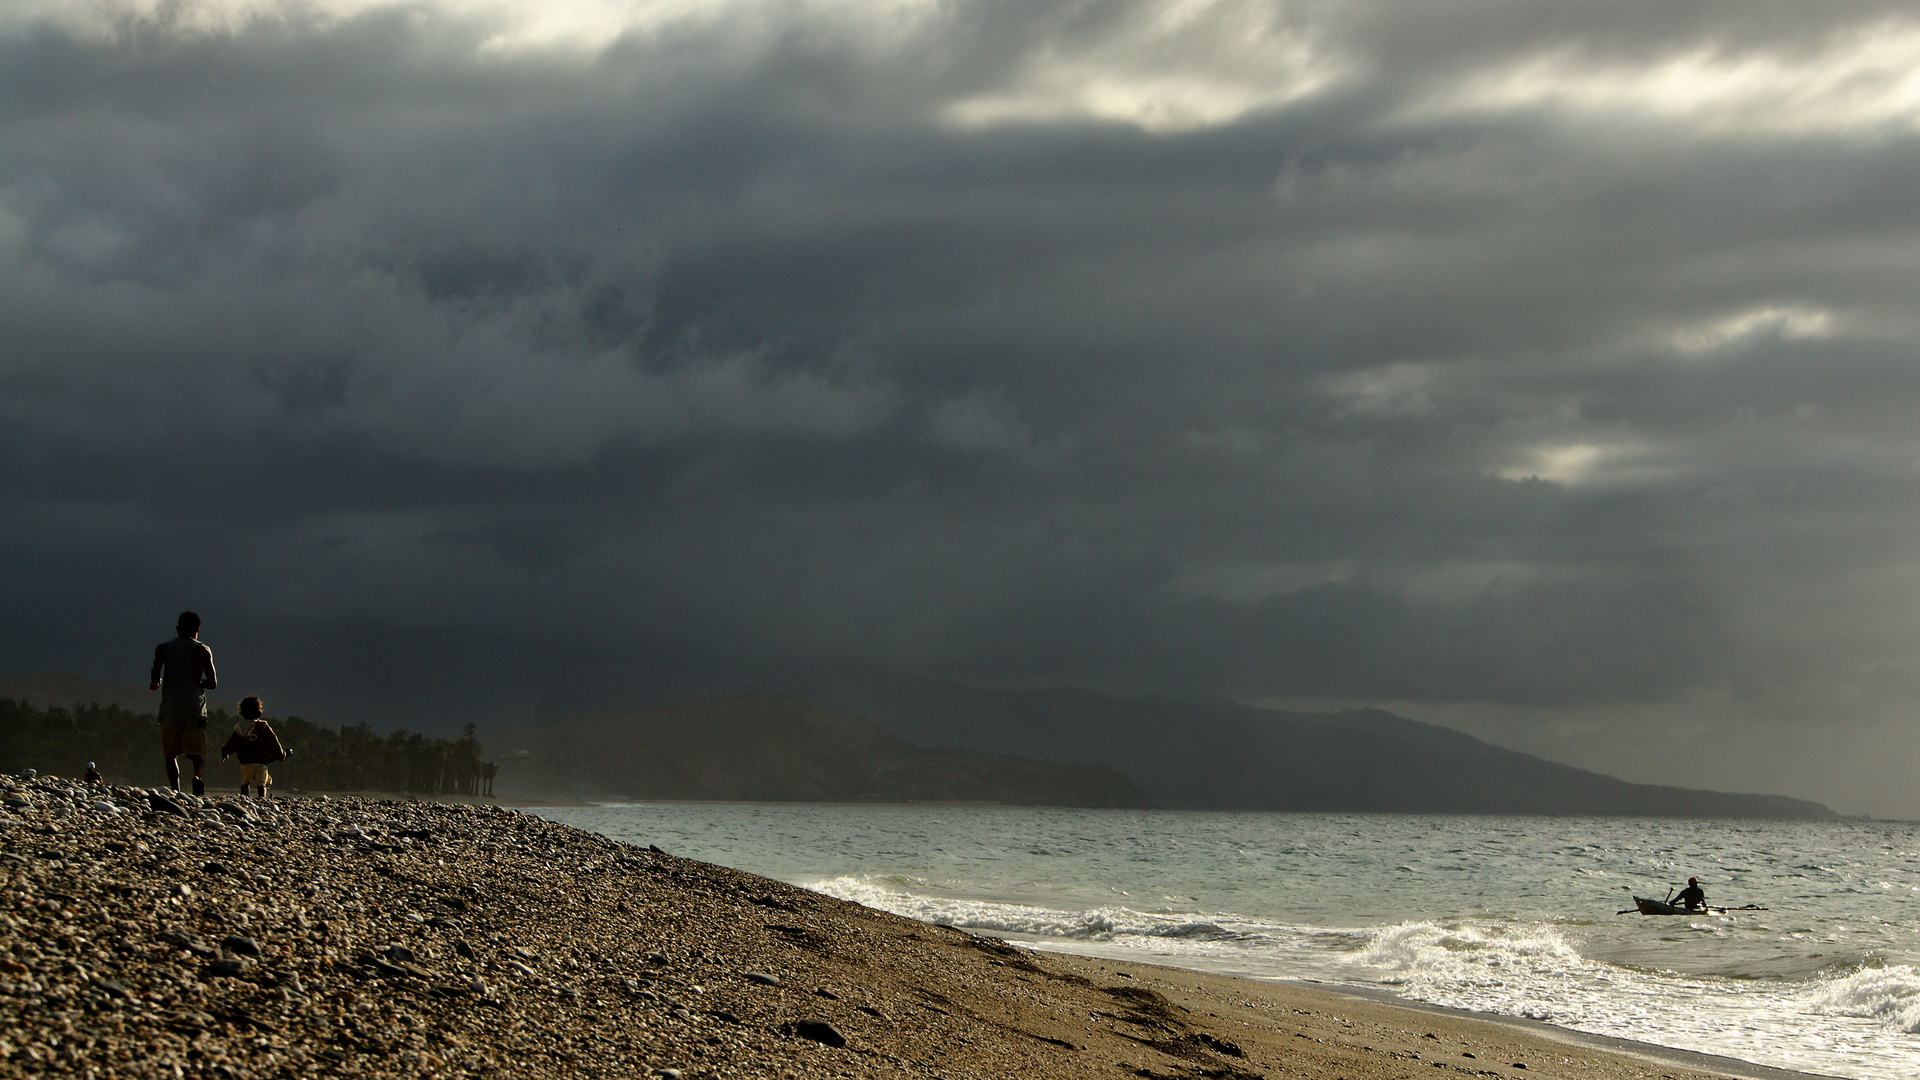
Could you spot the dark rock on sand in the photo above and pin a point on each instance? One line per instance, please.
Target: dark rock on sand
(231, 967)
(819, 1031)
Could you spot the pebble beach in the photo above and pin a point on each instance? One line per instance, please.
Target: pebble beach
(148, 933)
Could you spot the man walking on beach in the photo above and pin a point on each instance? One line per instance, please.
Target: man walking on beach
(183, 673)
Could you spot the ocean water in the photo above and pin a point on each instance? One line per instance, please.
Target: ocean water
(1510, 915)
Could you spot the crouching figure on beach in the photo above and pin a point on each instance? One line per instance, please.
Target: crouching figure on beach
(256, 744)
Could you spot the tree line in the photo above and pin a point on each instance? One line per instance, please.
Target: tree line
(353, 757)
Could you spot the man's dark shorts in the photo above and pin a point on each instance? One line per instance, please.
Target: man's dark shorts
(183, 729)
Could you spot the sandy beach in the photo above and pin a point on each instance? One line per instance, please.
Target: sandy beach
(172, 936)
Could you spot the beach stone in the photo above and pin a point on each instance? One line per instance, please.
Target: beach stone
(1219, 1045)
(241, 944)
(819, 1031)
(214, 868)
(231, 967)
(384, 969)
(163, 805)
(400, 954)
(761, 977)
(112, 988)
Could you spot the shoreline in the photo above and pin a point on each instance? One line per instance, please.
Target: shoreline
(1653, 1052)
(1380, 997)
(350, 937)
(1392, 1011)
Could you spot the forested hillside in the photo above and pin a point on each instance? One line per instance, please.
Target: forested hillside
(126, 746)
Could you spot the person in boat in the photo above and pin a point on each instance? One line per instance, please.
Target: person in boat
(1693, 897)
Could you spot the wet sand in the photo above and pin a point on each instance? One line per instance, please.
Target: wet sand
(421, 939)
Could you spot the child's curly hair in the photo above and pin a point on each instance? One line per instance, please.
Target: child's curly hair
(252, 708)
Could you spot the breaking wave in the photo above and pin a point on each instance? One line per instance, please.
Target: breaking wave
(1094, 924)
(1890, 995)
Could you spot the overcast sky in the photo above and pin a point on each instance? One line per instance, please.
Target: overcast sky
(1548, 370)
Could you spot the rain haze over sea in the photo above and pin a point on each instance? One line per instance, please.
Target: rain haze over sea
(1509, 915)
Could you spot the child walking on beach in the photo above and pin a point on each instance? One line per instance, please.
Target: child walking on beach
(257, 746)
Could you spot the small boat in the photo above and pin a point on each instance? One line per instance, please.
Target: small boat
(1661, 907)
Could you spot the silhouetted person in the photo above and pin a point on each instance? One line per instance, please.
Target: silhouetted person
(1693, 897)
(257, 746)
(183, 673)
(92, 775)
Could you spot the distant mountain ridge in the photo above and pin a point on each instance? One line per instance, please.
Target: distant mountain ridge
(779, 748)
(1225, 756)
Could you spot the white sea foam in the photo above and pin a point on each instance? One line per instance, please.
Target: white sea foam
(1472, 953)
(1529, 969)
(1093, 924)
(1890, 995)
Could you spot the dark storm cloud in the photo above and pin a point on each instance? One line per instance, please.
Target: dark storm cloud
(1503, 361)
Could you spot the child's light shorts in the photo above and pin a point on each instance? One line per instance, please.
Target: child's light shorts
(255, 774)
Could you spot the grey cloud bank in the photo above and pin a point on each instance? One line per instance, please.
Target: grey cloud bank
(1547, 371)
